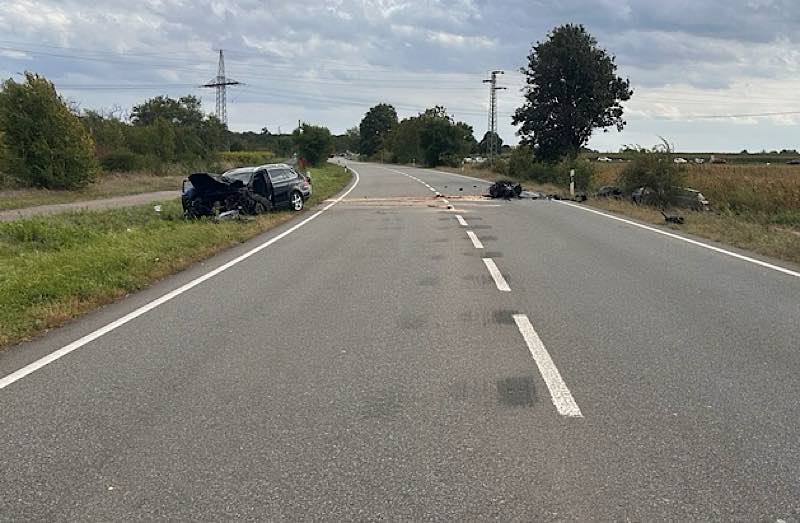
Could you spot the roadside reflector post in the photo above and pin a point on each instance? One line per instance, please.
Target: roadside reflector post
(572, 182)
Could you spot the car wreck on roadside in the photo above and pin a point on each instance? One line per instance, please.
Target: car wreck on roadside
(248, 190)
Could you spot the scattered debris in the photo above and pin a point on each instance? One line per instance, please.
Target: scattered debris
(609, 191)
(673, 218)
(228, 216)
(505, 189)
(533, 195)
(157, 208)
(580, 197)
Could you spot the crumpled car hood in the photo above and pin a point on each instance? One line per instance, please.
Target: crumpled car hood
(205, 183)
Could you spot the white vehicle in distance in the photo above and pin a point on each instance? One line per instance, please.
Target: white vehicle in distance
(604, 159)
(680, 160)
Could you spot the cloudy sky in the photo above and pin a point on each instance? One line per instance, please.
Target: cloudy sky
(693, 63)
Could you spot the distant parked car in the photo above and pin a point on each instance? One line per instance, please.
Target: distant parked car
(680, 160)
(714, 159)
(699, 161)
(609, 191)
(604, 159)
(796, 161)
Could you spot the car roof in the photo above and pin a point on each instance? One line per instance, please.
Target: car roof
(269, 166)
(240, 170)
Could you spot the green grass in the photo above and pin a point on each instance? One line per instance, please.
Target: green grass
(55, 268)
(109, 185)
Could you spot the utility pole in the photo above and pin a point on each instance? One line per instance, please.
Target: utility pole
(493, 114)
(221, 83)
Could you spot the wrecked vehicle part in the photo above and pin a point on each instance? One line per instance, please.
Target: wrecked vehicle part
(505, 189)
(677, 219)
(208, 194)
(609, 191)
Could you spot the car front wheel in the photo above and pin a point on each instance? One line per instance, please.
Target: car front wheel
(297, 201)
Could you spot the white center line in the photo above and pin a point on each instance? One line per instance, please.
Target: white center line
(475, 241)
(461, 220)
(496, 275)
(559, 392)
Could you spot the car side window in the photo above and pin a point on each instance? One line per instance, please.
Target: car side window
(277, 175)
(282, 175)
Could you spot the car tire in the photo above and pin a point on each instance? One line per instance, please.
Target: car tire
(296, 201)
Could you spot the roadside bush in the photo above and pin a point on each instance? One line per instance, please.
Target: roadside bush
(523, 165)
(45, 143)
(654, 168)
(121, 162)
(501, 166)
(450, 160)
(244, 158)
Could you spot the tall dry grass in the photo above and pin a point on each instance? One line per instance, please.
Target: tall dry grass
(763, 193)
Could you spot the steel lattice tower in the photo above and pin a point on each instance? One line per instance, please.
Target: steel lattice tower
(221, 83)
(493, 113)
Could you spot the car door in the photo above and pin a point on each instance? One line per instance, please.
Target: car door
(280, 185)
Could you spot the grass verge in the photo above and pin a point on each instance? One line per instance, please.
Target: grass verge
(55, 268)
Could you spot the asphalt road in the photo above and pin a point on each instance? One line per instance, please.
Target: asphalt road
(379, 362)
(94, 205)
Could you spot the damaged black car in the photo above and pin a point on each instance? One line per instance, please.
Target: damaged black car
(249, 190)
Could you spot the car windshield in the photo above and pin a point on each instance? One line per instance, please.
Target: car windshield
(244, 175)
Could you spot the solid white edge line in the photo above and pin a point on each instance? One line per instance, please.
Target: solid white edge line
(475, 241)
(461, 221)
(497, 276)
(559, 392)
(749, 259)
(719, 250)
(63, 351)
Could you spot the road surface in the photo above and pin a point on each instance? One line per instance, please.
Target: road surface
(91, 205)
(390, 358)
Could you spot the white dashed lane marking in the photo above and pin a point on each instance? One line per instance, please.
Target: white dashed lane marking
(497, 276)
(559, 392)
(475, 241)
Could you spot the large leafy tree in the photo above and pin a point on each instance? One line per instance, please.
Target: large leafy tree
(485, 143)
(572, 88)
(375, 128)
(45, 144)
(314, 143)
(184, 111)
(432, 137)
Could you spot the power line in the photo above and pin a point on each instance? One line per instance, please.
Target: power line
(742, 115)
